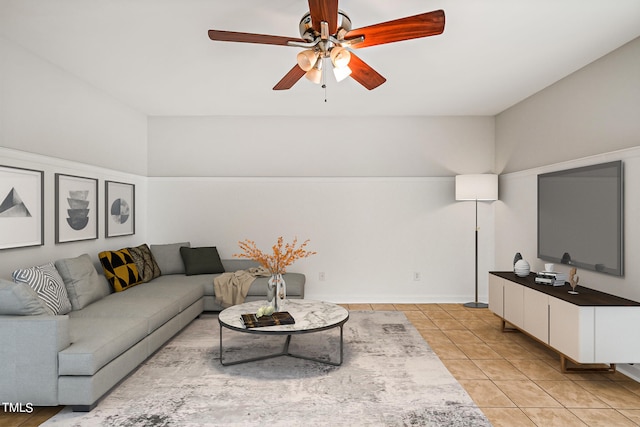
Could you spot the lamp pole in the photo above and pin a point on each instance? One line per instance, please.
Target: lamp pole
(475, 303)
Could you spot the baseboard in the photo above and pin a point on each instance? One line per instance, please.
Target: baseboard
(630, 370)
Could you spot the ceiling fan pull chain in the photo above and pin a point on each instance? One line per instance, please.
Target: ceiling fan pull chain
(324, 83)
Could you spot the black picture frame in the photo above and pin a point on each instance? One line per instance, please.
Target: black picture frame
(120, 209)
(21, 207)
(76, 211)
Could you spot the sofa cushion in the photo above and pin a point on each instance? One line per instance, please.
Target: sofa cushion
(184, 290)
(46, 281)
(145, 262)
(96, 343)
(203, 260)
(19, 299)
(151, 310)
(119, 269)
(84, 284)
(168, 257)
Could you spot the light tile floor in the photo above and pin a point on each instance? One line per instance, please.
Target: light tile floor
(515, 380)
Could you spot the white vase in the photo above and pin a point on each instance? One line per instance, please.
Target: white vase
(521, 268)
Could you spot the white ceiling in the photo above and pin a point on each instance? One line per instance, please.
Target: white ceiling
(155, 55)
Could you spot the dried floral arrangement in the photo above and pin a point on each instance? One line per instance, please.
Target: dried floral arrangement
(284, 254)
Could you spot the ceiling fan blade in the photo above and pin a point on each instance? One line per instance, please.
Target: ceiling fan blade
(324, 10)
(364, 74)
(233, 36)
(411, 27)
(290, 78)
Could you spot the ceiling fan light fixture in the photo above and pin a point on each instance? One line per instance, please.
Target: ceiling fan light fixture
(307, 59)
(340, 57)
(315, 74)
(341, 73)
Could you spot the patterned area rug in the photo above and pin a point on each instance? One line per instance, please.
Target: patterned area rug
(390, 377)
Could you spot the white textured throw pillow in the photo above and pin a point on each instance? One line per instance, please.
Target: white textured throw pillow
(48, 284)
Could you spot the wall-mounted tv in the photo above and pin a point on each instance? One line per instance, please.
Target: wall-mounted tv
(580, 217)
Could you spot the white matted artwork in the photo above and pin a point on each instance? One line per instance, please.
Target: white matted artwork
(76, 208)
(21, 207)
(120, 208)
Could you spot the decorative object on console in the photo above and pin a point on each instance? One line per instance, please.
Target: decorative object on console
(21, 207)
(573, 281)
(120, 209)
(550, 278)
(522, 268)
(516, 258)
(477, 187)
(76, 208)
(283, 256)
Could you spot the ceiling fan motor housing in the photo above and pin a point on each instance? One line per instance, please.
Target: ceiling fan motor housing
(308, 33)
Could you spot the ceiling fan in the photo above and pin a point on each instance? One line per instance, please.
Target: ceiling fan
(325, 33)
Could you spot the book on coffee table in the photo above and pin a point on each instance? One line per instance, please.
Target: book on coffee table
(277, 318)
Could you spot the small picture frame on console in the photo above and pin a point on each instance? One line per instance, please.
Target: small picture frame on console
(120, 208)
(21, 207)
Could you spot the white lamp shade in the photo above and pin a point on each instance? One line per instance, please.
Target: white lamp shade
(477, 187)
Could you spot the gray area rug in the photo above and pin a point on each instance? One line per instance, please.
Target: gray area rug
(390, 377)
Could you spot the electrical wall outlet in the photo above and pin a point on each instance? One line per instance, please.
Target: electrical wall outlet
(417, 276)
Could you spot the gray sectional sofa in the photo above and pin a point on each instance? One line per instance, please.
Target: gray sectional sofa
(76, 358)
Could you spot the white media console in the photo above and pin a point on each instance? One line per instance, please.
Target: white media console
(589, 328)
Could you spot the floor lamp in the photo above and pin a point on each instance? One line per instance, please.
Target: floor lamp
(483, 187)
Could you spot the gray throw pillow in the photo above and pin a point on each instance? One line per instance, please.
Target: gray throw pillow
(83, 283)
(18, 299)
(201, 260)
(168, 257)
(46, 281)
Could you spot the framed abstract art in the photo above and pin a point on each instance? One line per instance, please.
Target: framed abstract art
(21, 207)
(120, 208)
(76, 208)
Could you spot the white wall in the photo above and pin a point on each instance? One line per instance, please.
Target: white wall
(371, 234)
(11, 259)
(45, 110)
(328, 146)
(593, 111)
(375, 195)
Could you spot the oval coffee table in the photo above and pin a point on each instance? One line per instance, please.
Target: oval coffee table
(310, 316)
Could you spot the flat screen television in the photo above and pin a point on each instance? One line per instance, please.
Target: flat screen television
(580, 217)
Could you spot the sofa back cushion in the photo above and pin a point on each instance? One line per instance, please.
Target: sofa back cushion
(19, 299)
(47, 283)
(119, 269)
(168, 257)
(84, 284)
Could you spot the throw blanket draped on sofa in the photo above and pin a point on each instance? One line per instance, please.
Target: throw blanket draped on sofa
(232, 288)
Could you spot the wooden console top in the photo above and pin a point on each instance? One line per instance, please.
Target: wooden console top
(586, 296)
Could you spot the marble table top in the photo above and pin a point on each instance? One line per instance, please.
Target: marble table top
(309, 315)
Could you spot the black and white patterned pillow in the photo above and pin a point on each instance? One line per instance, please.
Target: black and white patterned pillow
(48, 284)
